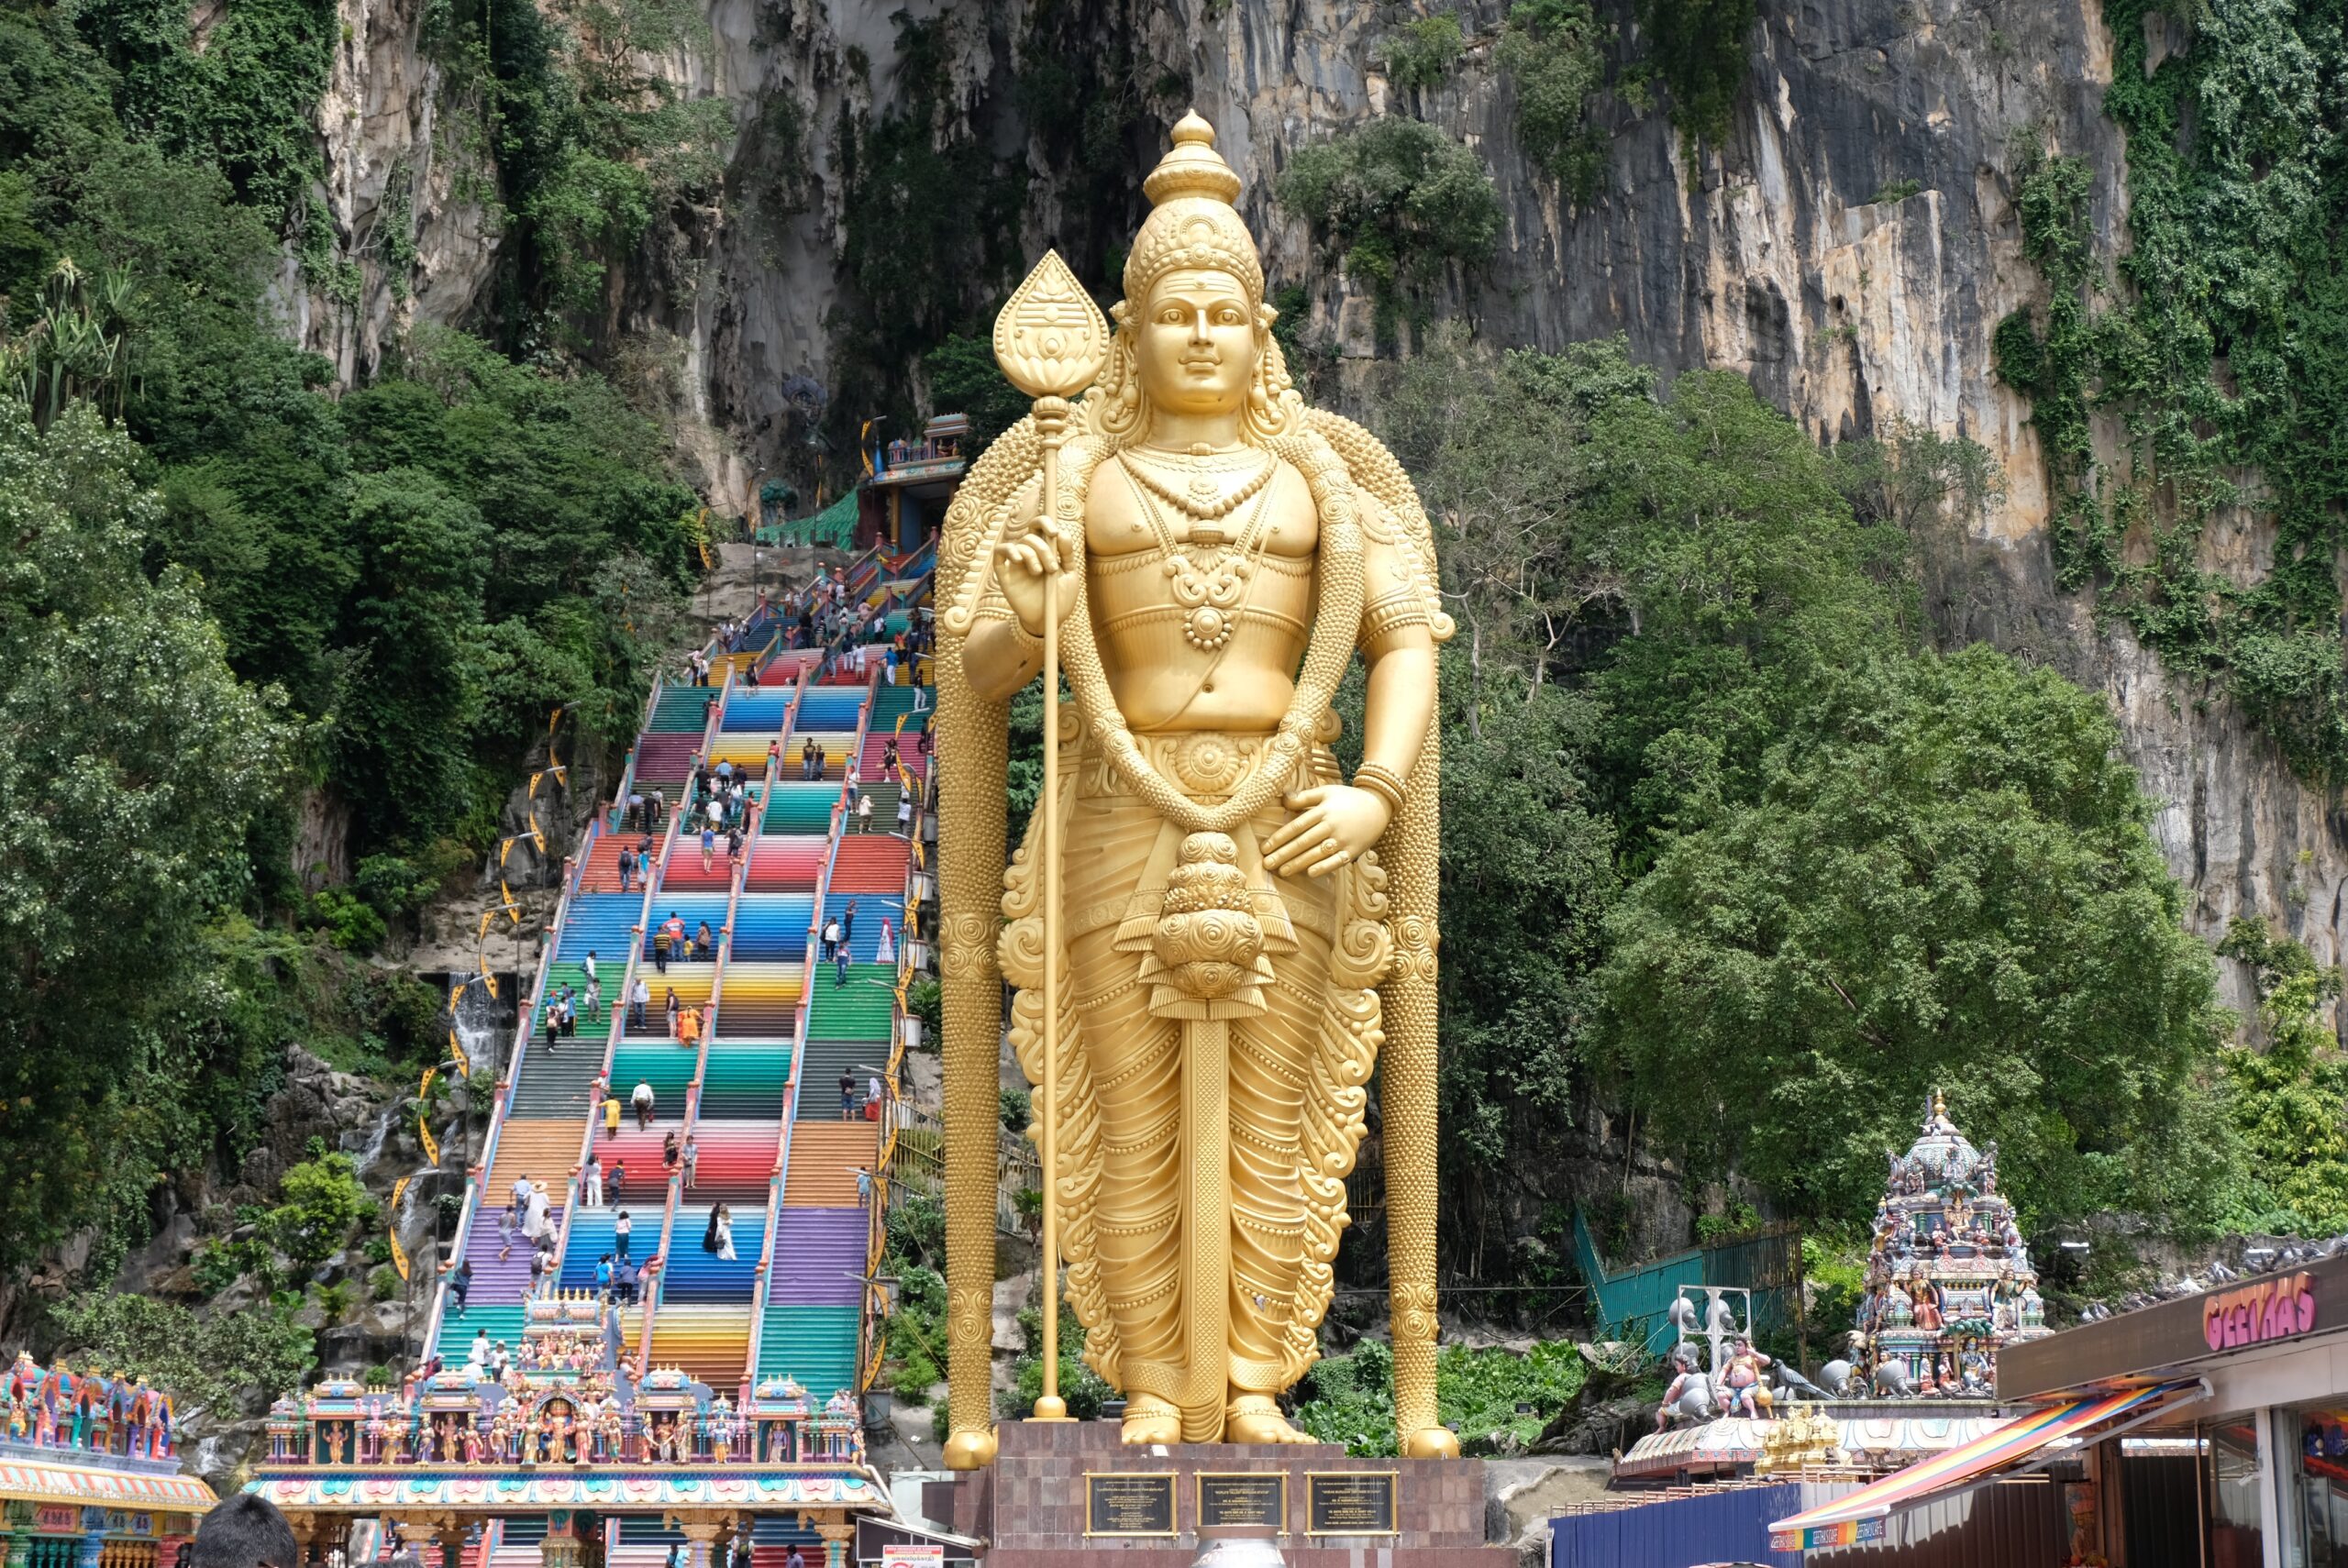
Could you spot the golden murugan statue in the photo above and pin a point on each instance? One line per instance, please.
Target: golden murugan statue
(1241, 929)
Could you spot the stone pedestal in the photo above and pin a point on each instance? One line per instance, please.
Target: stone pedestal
(1029, 1509)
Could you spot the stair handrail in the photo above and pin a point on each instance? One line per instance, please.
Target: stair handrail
(476, 1175)
(650, 1296)
(614, 1033)
(762, 1286)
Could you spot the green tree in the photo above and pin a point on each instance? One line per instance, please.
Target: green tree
(1946, 881)
(1423, 52)
(1555, 50)
(323, 1200)
(212, 1361)
(134, 765)
(1398, 199)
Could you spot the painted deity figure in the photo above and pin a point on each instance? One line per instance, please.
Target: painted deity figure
(1230, 905)
(1928, 1308)
(1742, 1382)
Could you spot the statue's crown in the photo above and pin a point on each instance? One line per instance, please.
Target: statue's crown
(1192, 222)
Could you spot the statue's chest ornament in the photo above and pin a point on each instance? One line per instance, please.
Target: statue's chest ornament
(1207, 571)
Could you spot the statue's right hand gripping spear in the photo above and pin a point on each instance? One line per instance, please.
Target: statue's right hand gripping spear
(1051, 343)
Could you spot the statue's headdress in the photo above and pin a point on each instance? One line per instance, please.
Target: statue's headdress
(1191, 221)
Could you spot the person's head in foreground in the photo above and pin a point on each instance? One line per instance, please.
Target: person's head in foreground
(245, 1532)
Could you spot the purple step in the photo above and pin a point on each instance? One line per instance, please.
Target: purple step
(818, 1258)
(499, 1282)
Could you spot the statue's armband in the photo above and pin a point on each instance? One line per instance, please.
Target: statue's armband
(1394, 610)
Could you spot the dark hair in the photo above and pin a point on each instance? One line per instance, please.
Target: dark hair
(244, 1531)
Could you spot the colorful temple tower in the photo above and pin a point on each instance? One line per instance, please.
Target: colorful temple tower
(1949, 1280)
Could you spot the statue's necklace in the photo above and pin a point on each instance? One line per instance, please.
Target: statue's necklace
(1207, 575)
(1202, 496)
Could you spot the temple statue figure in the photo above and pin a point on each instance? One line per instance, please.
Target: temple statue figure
(1241, 930)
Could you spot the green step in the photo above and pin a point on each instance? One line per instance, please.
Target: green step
(815, 1345)
(667, 1067)
(680, 710)
(458, 1329)
(800, 808)
(746, 1068)
(864, 1009)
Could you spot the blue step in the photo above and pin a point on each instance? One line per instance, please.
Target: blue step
(830, 708)
(772, 927)
(691, 908)
(693, 1274)
(755, 713)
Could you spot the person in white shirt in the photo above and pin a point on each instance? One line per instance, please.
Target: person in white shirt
(478, 1358)
(591, 1183)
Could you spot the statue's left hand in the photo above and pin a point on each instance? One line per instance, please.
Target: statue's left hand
(1333, 825)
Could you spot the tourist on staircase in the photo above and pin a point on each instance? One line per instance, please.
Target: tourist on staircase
(669, 1153)
(611, 1100)
(617, 1180)
(591, 1182)
(642, 1099)
(691, 1161)
(623, 1227)
(886, 951)
(704, 943)
(640, 997)
(864, 814)
(595, 987)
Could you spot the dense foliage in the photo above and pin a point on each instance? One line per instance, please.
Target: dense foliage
(1399, 200)
(2291, 1095)
(1554, 54)
(1944, 879)
(2212, 359)
(1726, 845)
(133, 765)
(1496, 1401)
(1422, 51)
(236, 603)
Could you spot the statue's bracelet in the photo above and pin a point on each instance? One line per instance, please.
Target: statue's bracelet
(1381, 781)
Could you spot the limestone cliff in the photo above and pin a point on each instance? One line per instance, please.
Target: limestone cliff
(1850, 245)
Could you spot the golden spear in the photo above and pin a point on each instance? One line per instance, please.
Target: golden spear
(1051, 342)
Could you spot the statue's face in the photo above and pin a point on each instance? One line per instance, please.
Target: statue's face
(1198, 344)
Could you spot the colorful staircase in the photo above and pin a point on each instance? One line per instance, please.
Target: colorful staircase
(758, 1095)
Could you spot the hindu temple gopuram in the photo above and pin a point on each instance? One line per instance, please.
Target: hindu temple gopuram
(90, 1469)
(1949, 1281)
(1948, 1284)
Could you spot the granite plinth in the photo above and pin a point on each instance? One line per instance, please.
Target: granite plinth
(1029, 1508)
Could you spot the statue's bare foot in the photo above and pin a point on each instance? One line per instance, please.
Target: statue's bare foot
(1150, 1419)
(1253, 1417)
(1430, 1442)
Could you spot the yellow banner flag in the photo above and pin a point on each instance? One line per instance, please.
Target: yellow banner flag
(399, 1254)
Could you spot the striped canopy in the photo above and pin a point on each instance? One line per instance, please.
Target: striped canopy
(2018, 1445)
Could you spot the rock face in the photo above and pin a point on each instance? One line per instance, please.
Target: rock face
(1849, 246)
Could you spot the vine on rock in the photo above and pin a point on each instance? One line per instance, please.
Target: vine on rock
(2220, 368)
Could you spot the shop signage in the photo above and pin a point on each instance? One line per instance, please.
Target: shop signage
(1255, 1501)
(912, 1557)
(1129, 1504)
(2253, 1314)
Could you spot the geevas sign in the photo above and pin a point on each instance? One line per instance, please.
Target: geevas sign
(2253, 1314)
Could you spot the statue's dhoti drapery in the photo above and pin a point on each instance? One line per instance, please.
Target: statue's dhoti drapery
(1199, 1219)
